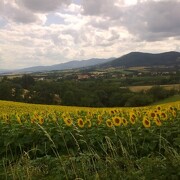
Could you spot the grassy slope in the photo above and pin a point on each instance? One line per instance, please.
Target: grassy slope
(168, 100)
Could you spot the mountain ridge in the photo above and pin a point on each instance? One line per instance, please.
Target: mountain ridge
(62, 66)
(132, 59)
(136, 59)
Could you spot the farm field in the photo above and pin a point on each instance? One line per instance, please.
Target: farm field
(145, 88)
(59, 142)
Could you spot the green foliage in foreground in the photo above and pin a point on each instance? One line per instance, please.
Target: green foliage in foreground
(51, 151)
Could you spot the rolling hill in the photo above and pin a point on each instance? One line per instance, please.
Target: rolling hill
(137, 59)
(133, 59)
(68, 65)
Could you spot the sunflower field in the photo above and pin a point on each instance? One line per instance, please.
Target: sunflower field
(58, 142)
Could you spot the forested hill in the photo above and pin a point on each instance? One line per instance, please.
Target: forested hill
(136, 59)
(133, 59)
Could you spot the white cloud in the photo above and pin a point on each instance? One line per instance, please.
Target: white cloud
(41, 5)
(152, 20)
(29, 34)
(13, 13)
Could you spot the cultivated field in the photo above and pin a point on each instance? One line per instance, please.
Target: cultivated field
(145, 88)
(57, 142)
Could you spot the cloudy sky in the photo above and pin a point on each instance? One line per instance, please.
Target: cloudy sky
(47, 32)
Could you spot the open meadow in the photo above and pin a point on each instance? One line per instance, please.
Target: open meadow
(59, 142)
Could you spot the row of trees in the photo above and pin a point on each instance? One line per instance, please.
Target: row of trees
(96, 93)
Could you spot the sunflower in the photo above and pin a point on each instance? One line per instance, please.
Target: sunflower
(124, 121)
(138, 113)
(116, 121)
(80, 123)
(33, 120)
(89, 114)
(146, 122)
(63, 115)
(132, 118)
(157, 121)
(68, 121)
(99, 120)
(163, 116)
(41, 120)
(18, 119)
(174, 113)
(170, 108)
(158, 108)
(109, 123)
(152, 114)
(6, 118)
(88, 122)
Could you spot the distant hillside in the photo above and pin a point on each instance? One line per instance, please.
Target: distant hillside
(133, 59)
(63, 66)
(80, 64)
(3, 70)
(136, 59)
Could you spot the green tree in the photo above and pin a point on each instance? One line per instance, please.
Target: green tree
(101, 98)
(6, 91)
(27, 81)
(139, 100)
(17, 92)
(119, 99)
(68, 99)
(158, 93)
